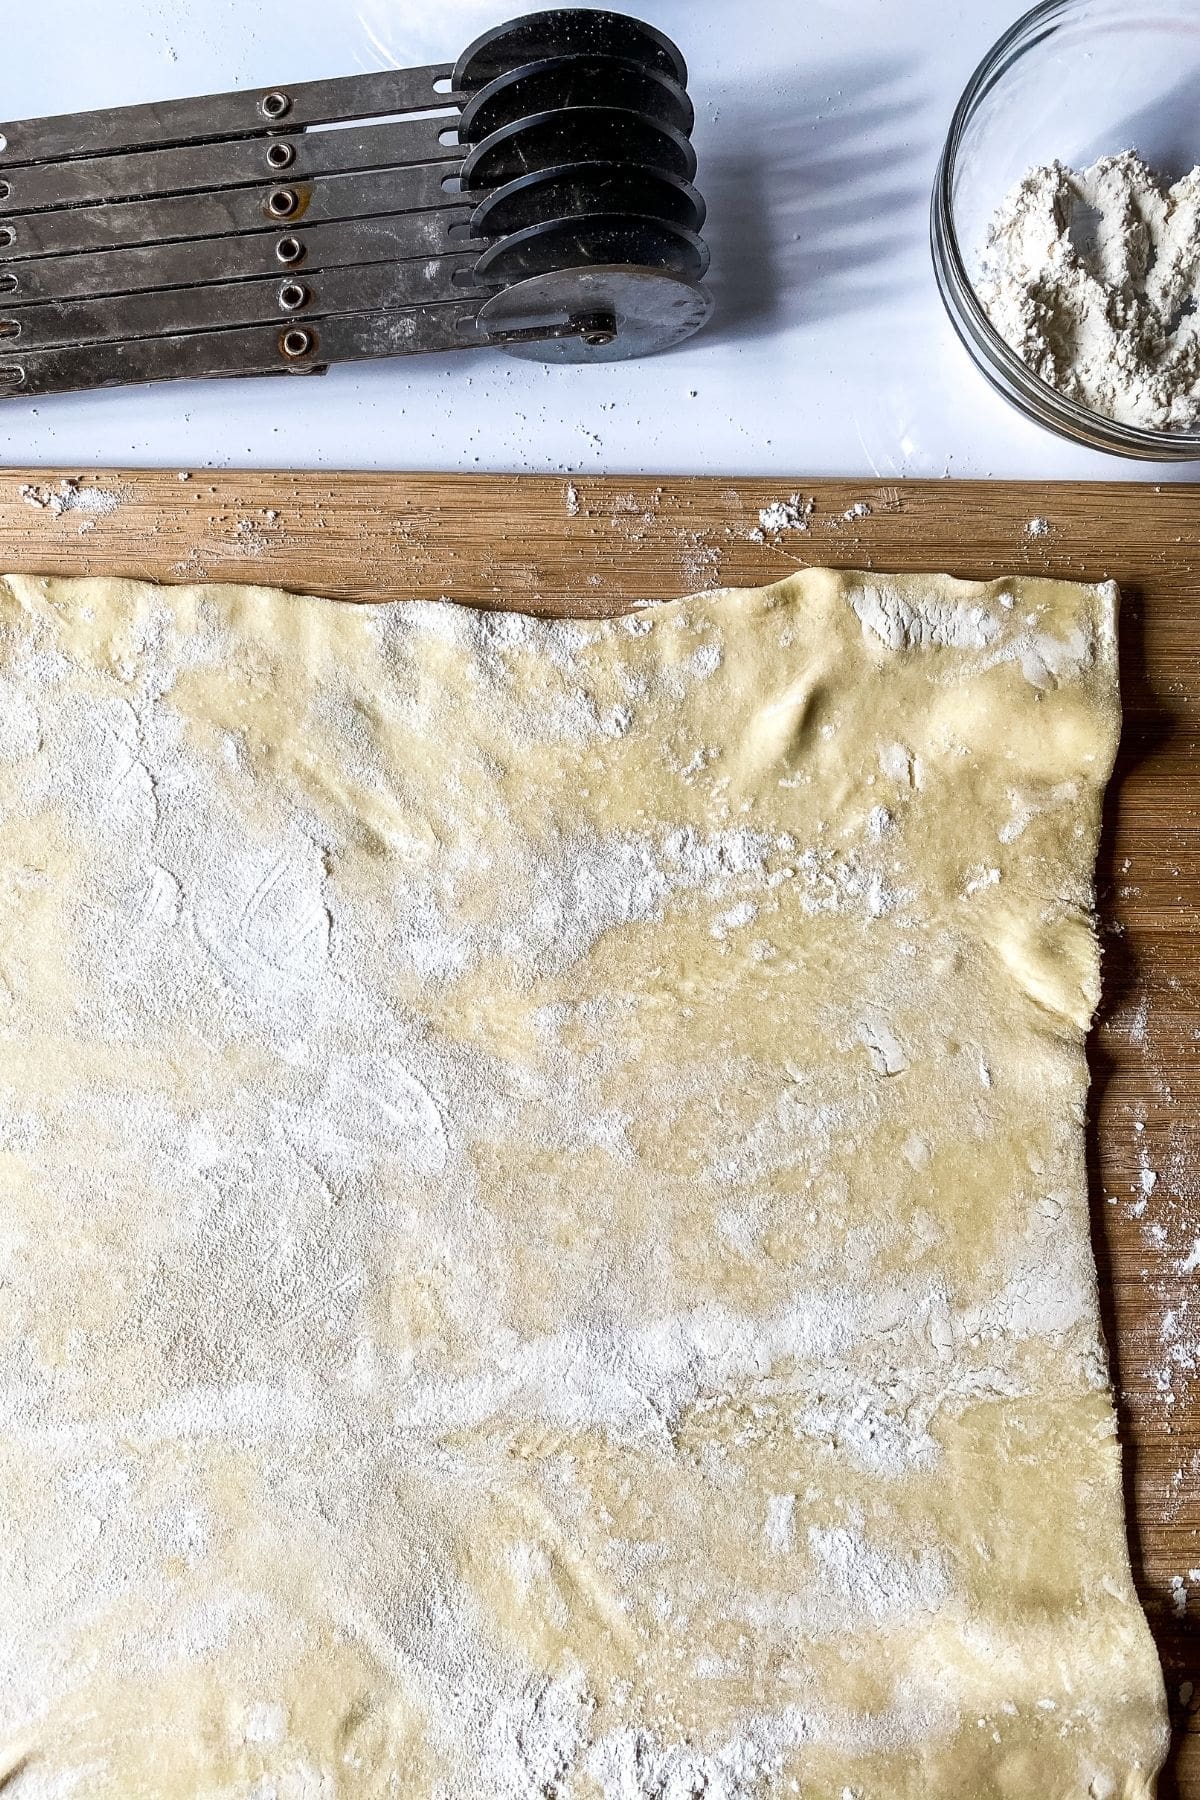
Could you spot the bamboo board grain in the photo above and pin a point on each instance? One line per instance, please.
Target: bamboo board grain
(591, 546)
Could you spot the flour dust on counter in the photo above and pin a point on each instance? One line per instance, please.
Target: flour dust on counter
(545, 1241)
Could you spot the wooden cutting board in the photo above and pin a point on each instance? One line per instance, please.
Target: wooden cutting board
(596, 546)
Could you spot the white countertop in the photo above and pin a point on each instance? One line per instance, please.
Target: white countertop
(818, 130)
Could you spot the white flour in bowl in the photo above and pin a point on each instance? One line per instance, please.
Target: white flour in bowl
(1093, 278)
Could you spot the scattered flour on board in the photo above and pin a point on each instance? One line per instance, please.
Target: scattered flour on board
(792, 514)
(70, 497)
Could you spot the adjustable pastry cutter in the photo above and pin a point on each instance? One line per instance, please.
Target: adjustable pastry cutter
(537, 196)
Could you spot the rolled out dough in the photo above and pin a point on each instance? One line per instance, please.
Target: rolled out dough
(544, 1242)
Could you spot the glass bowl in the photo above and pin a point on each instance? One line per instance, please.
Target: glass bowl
(1073, 80)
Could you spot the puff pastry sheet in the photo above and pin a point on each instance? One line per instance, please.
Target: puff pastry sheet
(543, 1224)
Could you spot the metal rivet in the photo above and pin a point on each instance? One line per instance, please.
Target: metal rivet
(282, 203)
(597, 330)
(289, 250)
(293, 295)
(275, 104)
(296, 343)
(281, 156)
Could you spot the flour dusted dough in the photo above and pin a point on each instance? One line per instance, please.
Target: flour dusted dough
(544, 1239)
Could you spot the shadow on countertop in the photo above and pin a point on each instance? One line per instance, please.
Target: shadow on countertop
(817, 189)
